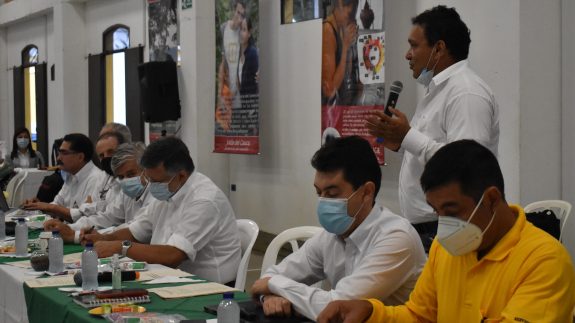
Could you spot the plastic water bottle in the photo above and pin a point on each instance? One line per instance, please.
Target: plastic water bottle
(56, 253)
(228, 310)
(116, 272)
(2, 225)
(89, 267)
(21, 238)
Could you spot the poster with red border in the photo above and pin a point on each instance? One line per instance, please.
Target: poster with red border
(236, 129)
(353, 69)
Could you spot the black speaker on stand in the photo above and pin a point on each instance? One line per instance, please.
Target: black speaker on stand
(159, 91)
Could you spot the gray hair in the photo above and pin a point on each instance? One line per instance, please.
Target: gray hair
(126, 152)
(119, 128)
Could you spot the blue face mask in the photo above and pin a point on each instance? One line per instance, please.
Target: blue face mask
(64, 174)
(160, 191)
(132, 187)
(426, 75)
(332, 214)
(22, 142)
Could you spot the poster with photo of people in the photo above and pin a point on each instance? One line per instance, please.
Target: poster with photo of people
(353, 66)
(237, 77)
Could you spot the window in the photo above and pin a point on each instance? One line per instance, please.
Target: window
(116, 41)
(29, 62)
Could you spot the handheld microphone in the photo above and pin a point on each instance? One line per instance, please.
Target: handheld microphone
(394, 91)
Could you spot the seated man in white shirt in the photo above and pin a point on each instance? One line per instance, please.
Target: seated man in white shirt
(190, 224)
(81, 183)
(365, 249)
(124, 208)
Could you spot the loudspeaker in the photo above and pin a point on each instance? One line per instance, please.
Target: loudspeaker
(160, 98)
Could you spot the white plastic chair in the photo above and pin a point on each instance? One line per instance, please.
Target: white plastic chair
(14, 188)
(562, 209)
(249, 231)
(290, 235)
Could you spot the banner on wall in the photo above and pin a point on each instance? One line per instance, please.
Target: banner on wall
(163, 38)
(352, 72)
(237, 70)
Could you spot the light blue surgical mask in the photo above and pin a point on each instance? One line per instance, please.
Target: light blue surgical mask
(132, 187)
(427, 75)
(22, 142)
(160, 190)
(64, 174)
(332, 214)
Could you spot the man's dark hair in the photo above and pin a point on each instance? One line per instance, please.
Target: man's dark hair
(119, 137)
(237, 2)
(353, 156)
(442, 23)
(170, 151)
(467, 163)
(346, 3)
(80, 144)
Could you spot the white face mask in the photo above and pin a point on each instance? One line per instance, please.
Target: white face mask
(460, 237)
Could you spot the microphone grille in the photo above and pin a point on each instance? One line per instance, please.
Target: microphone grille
(396, 87)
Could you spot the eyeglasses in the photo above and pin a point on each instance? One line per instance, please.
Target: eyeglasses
(148, 180)
(66, 152)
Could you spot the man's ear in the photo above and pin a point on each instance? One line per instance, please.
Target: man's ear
(493, 197)
(369, 190)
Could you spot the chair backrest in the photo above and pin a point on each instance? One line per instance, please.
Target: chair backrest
(562, 209)
(290, 235)
(14, 188)
(249, 231)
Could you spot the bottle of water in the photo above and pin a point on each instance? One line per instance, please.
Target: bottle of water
(56, 253)
(2, 225)
(21, 238)
(228, 310)
(89, 267)
(116, 272)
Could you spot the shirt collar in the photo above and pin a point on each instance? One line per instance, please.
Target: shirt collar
(84, 172)
(446, 74)
(181, 193)
(510, 239)
(357, 237)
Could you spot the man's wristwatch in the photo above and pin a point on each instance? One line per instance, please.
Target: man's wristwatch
(126, 244)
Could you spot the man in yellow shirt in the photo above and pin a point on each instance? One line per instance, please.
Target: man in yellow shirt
(487, 263)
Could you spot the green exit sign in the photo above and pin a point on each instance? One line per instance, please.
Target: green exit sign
(186, 4)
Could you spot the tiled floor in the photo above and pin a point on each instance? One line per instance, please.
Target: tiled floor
(254, 269)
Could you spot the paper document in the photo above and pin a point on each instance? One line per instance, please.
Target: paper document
(159, 273)
(172, 279)
(51, 281)
(191, 290)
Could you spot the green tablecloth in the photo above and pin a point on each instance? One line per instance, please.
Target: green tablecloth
(50, 305)
(33, 234)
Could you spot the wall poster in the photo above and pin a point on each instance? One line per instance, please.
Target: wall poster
(353, 65)
(237, 70)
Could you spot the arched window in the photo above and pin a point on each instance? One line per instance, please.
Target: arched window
(29, 62)
(116, 41)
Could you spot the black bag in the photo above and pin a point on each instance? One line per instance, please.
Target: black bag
(51, 185)
(546, 221)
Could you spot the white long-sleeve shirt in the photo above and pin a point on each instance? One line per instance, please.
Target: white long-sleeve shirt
(78, 187)
(108, 189)
(199, 221)
(381, 259)
(119, 212)
(457, 105)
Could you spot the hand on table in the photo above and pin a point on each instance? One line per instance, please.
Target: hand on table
(107, 248)
(346, 312)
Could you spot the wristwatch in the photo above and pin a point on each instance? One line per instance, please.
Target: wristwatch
(126, 244)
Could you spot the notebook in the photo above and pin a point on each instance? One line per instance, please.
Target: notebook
(114, 296)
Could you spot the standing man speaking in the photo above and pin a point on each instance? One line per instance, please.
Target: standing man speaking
(457, 104)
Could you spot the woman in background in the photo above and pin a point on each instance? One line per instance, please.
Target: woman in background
(23, 155)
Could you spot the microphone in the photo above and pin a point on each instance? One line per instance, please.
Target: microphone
(394, 91)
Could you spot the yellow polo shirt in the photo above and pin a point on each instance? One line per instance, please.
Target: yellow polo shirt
(527, 277)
